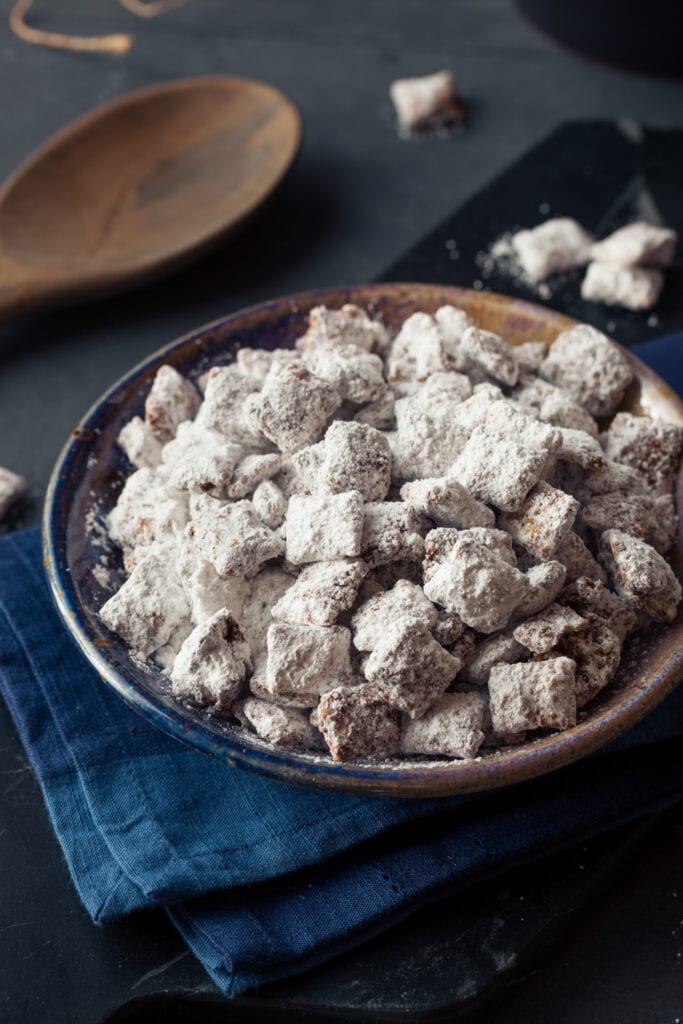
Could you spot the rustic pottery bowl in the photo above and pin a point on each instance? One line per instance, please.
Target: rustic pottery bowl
(90, 473)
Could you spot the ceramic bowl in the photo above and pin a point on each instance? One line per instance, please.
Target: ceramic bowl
(90, 473)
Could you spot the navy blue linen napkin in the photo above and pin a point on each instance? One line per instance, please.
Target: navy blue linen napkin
(261, 878)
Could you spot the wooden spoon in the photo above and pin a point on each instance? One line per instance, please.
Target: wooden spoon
(139, 185)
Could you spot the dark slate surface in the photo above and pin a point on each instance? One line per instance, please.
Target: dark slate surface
(357, 197)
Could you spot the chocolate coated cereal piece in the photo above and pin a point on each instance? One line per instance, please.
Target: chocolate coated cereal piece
(544, 631)
(631, 287)
(12, 487)
(544, 519)
(533, 695)
(349, 325)
(233, 538)
(490, 353)
(637, 244)
(282, 726)
(501, 649)
(557, 244)
(652, 447)
(590, 367)
(409, 669)
(171, 401)
(307, 659)
(269, 504)
(450, 632)
(324, 527)
(405, 605)
(356, 458)
(140, 443)
(447, 502)
(553, 406)
(652, 519)
(320, 593)
(293, 408)
(577, 559)
(641, 576)
(452, 727)
(380, 413)
(544, 584)
(595, 650)
(497, 469)
(582, 449)
(392, 532)
(212, 664)
(591, 596)
(356, 723)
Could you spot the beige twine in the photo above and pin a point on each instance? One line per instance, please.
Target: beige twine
(119, 42)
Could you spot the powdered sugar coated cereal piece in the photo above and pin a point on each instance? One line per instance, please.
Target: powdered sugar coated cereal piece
(171, 401)
(224, 406)
(147, 511)
(504, 418)
(166, 655)
(212, 664)
(425, 102)
(349, 325)
(447, 502)
(405, 605)
(250, 472)
(553, 406)
(263, 591)
(426, 441)
(491, 353)
(545, 582)
(299, 471)
(140, 443)
(352, 371)
(557, 244)
(530, 355)
(307, 659)
(501, 649)
(233, 538)
(149, 605)
(473, 411)
(409, 669)
(450, 632)
(380, 413)
(542, 632)
(533, 695)
(577, 559)
(637, 244)
(591, 596)
(356, 723)
(269, 504)
(452, 727)
(321, 592)
(652, 519)
(205, 590)
(546, 516)
(294, 407)
(650, 446)
(641, 576)
(453, 323)
(357, 458)
(417, 351)
(12, 487)
(582, 449)
(281, 726)
(590, 367)
(498, 469)
(439, 544)
(199, 459)
(392, 532)
(630, 287)
(324, 527)
(595, 650)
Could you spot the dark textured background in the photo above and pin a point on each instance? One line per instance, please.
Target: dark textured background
(356, 199)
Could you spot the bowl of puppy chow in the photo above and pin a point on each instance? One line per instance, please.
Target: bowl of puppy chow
(394, 539)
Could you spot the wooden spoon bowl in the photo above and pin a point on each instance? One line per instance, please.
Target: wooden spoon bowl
(139, 185)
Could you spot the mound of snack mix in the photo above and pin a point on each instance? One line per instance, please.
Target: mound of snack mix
(420, 545)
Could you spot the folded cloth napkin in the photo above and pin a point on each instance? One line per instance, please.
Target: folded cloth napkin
(261, 878)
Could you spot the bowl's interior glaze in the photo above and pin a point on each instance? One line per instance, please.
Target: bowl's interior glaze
(91, 471)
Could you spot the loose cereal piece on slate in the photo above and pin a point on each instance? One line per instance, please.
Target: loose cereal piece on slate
(12, 487)
(409, 669)
(452, 727)
(307, 659)
(582, 449)
(585, 595)
(546, 516)
(556, 245)
(652, 519)
(530, 355)
(147, 510)
(545, 582)
(595, 649)
(490, 353)
(352, 371)
(590, 367)
(150, 604)
(475, 583)
(233, 538)
(356, 458)
(453, 323)
(427, 102)
(171, 401)
(212, 664)
(355, 723)
(269, 504)
(392, 532)
(349, 325)
(320, 593)
(501, 649)
(417, 351)
(200, 459)
(282, 726)
(206, 591)
(380, 413)
(641, 576)
(264, 590)
(324, 527)
(447, 502)
(224, 406)
(637, 244)
(405, 605)
(630, 287)
(250, 472)
(293, 408)
(140, 443)
(652, 447)
(542, 632)
(577, 559)
(497, 469)
(533, 695)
